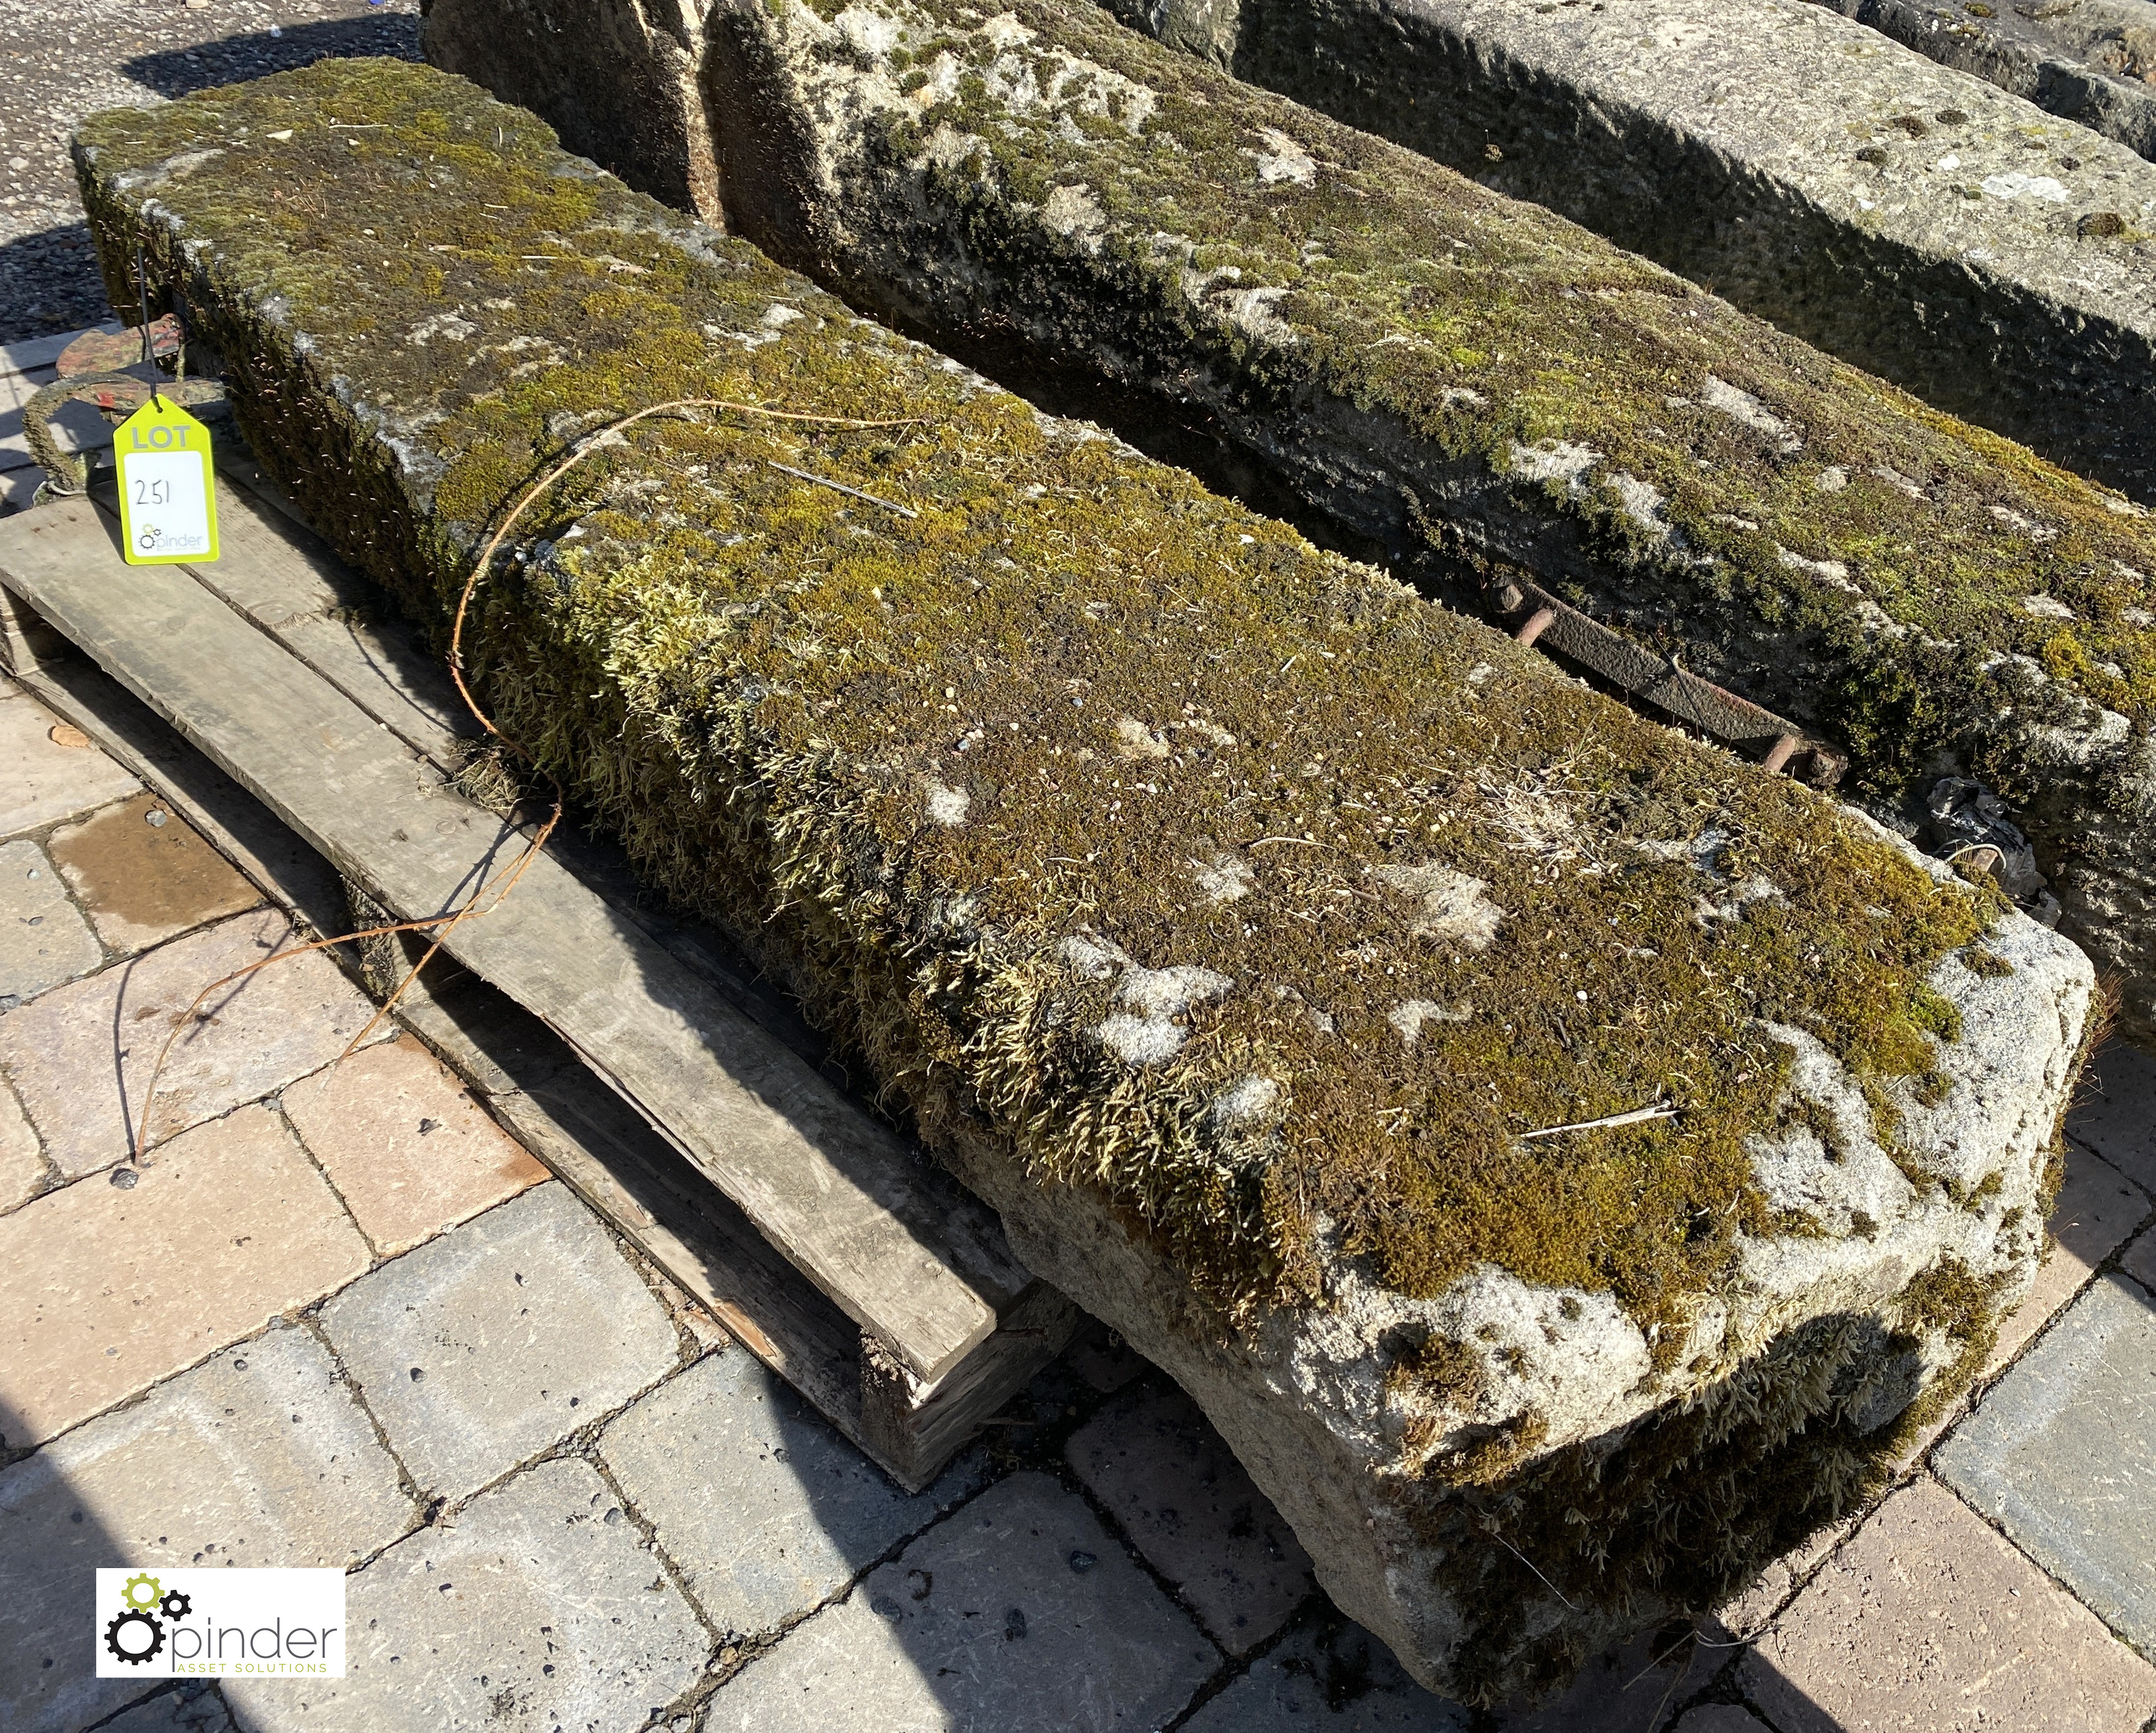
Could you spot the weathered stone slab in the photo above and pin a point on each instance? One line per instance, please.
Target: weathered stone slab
(1018, 1613)
(1254, 934)
(2061, 1453)
(1722, 138)
(616, 82)
(767, 1509)
(534, 1606)
(260, 1456)
(1478, 387)
(43, 938)
(2089, 61)
(483, 1348)
(1928, 1619)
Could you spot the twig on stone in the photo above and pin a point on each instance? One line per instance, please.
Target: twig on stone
(840, 487)
(1637, 1116)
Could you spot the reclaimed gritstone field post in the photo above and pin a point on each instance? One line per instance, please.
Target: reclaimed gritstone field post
(1487, 392)
(1494, 1108)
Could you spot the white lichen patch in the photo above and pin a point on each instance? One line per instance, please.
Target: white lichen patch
(1251, 1102)
(1719, 910)
(452, 326)
(2015, 184)
(1741, 406)
(2046, 608)
(1135, 740)
(947, 806)
(1827, 571)
(1452, 908)
(1074, 213)
(1282, 159)
(1408, 1017)
(1223, 877)
(1553, 460)
(1641, 502)
(1145, 1031)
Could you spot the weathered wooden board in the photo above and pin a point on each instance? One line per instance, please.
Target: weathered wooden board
(920, 1269)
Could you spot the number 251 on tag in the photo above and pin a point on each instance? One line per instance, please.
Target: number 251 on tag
(167, 486)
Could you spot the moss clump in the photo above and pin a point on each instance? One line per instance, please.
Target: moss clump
(980, 779)
(1377, 329)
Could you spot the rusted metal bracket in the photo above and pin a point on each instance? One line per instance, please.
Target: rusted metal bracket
(90, 373)
(1534, 616)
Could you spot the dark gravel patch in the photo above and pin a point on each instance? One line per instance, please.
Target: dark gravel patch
(62, 59)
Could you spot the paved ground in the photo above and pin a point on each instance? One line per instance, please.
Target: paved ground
(61, 60)
(336, 1316)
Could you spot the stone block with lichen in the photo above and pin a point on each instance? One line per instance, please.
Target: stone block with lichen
(1475, 389)
(1562, 1160)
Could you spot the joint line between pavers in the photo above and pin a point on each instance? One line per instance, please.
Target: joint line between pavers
(2022, 1553)
(275, 1102)
(310, 1321)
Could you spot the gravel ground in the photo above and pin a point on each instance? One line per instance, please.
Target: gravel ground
(61, 60)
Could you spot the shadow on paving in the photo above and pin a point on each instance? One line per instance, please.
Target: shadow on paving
(51, 1544)
(180, 72)
(49, 284)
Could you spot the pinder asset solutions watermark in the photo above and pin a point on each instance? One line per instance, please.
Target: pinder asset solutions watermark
(223, 1624)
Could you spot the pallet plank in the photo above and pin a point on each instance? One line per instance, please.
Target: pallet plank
(833, 1191)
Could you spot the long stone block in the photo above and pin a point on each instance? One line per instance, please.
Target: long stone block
(1921, 222)
(1488, 394)
(2090, 61)
(1290, 960)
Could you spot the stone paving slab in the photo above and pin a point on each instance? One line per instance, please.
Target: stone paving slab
(103, 1291)
(1167, 1476)
(23, 1172)
(80, 1056)
(405, 1142)
(540, 1609)
(42, 781)
(1334, 1677)
(201, 1712)
(2098, 1207)
(43, 938)
(2140, 1260)
(1721, 1718)
(2061, 1453)
(2115, 1113)
(1929, 1621)
(146, 875)
(485, 1347)
(260, 1456)
(1632, 1688)
(767, 1509)
(1017, 1613)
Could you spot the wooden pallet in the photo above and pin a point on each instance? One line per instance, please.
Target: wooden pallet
(617, 1043)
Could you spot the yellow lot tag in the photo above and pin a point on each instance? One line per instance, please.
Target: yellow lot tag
(167, 486)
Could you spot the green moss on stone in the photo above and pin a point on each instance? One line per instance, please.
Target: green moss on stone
(1823, 541)
(1073, 698)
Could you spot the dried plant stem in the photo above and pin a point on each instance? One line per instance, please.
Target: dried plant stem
(441, 926)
